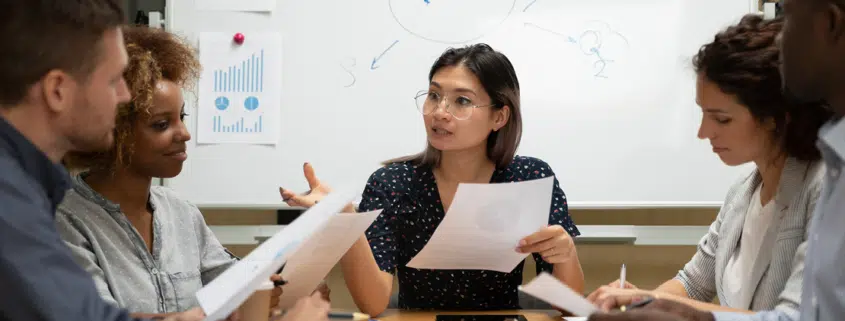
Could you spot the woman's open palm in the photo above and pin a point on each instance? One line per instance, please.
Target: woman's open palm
(316, 193)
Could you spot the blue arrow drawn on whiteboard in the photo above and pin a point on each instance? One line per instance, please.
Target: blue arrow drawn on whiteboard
(376, 59)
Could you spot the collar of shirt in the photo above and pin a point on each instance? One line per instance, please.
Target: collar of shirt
(85, 190)
(832, 137)
(52, 177)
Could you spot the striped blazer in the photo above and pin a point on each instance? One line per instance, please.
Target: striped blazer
(777, 273)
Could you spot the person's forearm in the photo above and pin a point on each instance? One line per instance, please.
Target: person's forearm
(704, 306)
(673, 287)
(570, 273)
(674, 290)
(153, 316)
(370, 287)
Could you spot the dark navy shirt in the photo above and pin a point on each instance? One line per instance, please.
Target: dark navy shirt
(38, 277)
(412, 210)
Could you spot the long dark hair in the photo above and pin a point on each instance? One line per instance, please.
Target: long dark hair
(743, 61)
(497, 76)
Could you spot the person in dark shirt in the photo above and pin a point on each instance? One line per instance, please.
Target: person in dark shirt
(471, 110)
(61, 79)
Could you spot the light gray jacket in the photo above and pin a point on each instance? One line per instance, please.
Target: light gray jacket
(776, 277)
(185, 253)
(823, 295)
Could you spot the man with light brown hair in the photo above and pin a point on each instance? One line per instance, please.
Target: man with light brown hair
(61, 79)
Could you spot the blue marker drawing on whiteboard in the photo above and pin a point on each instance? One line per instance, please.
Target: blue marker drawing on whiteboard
(427, 1)
(376, 59)
(476, 18)
(348, 68)
(590, 43)
(529, 5)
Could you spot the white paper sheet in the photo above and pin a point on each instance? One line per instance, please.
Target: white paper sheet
(549, 289)
(236, 5)
(484, 224)
(239, 88)
(310, 264)
(229, 290)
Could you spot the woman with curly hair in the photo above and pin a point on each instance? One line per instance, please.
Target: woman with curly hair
(147, 249)
(752, 257)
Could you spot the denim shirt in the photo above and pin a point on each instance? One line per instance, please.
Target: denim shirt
(824, 290)
(823, 294)
(185, 253)
(38, 276)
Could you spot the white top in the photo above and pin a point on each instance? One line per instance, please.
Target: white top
(738, 270)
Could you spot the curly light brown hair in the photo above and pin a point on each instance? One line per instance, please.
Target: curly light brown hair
(743, 60)
(154, 55)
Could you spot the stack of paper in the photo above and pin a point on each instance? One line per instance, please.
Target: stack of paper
(549, 289)
(315, 258)
(227, 292)
(484, 225)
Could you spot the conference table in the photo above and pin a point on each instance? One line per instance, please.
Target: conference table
(408, 315)
(530, 315)
(404, 315)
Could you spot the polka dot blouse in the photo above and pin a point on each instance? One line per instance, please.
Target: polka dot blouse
(411, 212)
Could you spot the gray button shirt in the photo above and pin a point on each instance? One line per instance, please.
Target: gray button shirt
(185, 254)
(823, 295)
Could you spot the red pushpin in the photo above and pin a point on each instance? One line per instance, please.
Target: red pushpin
(239, 38)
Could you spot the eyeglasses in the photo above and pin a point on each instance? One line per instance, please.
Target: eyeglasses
(461, 108)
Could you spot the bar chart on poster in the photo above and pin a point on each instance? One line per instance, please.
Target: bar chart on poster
(233, 104)
(246, 77)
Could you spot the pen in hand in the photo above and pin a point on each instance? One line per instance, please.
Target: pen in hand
(280, 282)
(638, 304)
(622, 277)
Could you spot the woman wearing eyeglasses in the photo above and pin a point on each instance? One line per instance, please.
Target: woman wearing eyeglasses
(471, 111)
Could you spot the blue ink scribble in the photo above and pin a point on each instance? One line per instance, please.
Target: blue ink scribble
(348, 68)
(590, 44)
(376, 59)
(427, 1)
(526, 7)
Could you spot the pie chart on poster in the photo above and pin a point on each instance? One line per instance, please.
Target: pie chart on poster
(450, 21)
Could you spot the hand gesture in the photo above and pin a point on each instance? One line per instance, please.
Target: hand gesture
(324, 291)
(553, 243)
(316, 193)
(275, 294)
(311, 308)
(607, 297)
(615, 284)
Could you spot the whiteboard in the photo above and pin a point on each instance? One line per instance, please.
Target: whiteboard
(617, 124)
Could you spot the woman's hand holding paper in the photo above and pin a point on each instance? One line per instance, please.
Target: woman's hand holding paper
(553, 243)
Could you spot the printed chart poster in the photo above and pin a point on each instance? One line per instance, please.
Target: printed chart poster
(239, 89)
